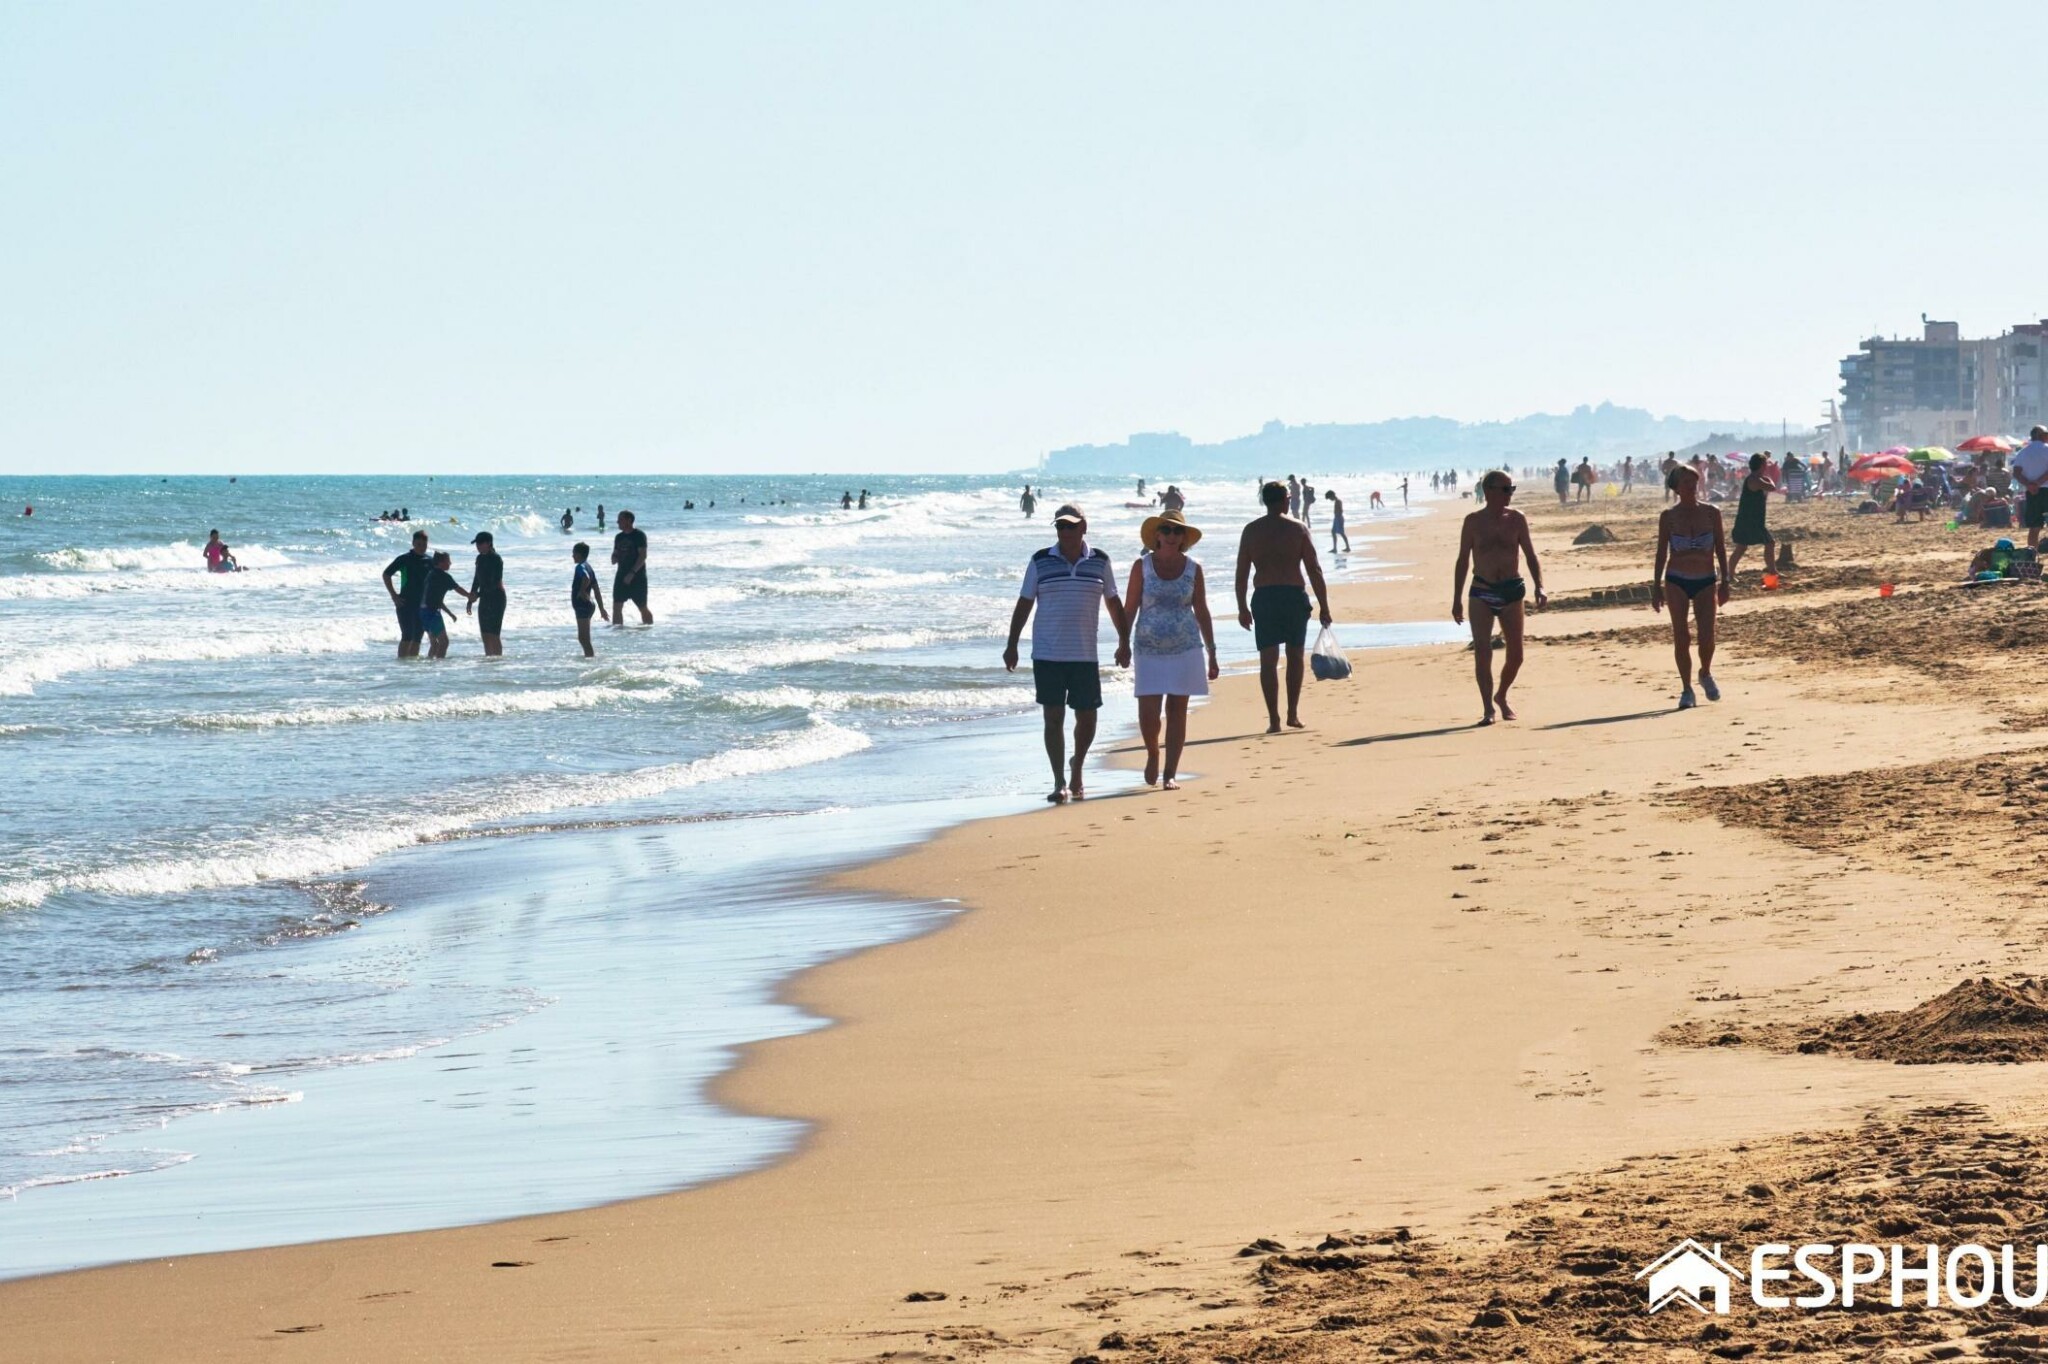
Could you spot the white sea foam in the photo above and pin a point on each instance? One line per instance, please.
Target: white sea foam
(782, 653)
(933, 698)
(184, 554)
(429, 708)
(340, 847)
(20, 675)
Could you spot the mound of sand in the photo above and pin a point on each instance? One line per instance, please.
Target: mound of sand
(1554, 1282)
(1979, 1020)
(1594, 535)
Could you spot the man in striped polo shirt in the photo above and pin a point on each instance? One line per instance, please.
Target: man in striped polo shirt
(1069, 583)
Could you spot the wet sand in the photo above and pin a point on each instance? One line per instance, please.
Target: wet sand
(1391, 972)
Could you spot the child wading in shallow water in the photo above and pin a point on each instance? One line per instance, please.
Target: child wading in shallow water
(585, 596)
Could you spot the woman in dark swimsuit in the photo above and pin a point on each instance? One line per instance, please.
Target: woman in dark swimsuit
(1689, 547)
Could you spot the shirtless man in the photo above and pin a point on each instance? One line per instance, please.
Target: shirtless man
(1494, 536)
(1278, 549)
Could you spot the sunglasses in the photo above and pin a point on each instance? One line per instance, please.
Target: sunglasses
(1169, 528)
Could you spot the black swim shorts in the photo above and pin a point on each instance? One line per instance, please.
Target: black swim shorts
(490, 613)
(2035, 513)
(626, 589)
(409, 627)
(1280, 615)
(1077, 685)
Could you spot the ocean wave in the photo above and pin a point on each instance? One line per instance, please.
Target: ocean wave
(338, 847)
(781, 653)
(429, 708)
(929, 698)
(20, 676)
(182, 554)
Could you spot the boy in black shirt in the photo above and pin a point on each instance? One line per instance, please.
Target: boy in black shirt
(440, 582)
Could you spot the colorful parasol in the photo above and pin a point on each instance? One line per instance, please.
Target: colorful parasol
(1986, 445)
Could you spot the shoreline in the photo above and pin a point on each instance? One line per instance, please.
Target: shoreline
(1066, 1113)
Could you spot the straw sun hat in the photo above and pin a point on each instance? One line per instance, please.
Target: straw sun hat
(1168, 518)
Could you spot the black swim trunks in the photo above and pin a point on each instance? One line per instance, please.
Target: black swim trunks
(2035, 512)
(1077, 685)
(1498, 596)
(490, 612)
(1280, 615)
(409, 627)
(632, 589)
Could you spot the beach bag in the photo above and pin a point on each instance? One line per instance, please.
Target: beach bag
(1328, 662)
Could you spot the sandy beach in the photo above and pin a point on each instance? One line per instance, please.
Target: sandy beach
(1394, 1036)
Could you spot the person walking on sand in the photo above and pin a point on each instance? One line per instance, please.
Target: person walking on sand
(1337, 519)
(1173, 640)
(1494, 539)
(1276, 550)
(1404, 490)
(1749, 517)
(586, 599)
(1584, 477)
(1628, 473)
(2030, 470)
(440, 582)
(1293, 497)
(629, 578)
(1562, 480)
(487, 592)
(1069, 583)
(412, 568)
(1689, 548)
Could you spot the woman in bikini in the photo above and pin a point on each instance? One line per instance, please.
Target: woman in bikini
(1690, 546)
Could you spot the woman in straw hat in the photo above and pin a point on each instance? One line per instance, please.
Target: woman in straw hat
(1172, 641)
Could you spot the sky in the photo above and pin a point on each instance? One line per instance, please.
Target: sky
(642, 238)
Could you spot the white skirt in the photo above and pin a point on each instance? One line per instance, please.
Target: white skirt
(1181, 674)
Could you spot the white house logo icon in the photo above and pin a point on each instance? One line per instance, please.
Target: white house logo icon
(1686, 1273)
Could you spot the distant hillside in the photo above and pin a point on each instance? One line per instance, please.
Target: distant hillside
(1601, 432)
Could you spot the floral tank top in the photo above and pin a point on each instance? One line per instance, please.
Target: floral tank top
(1166, 616)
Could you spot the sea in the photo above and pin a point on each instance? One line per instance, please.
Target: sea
(301, 940)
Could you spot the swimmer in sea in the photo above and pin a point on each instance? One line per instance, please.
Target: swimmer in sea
(215, 551)
(412, 568)
(487, 591)
(629, 577)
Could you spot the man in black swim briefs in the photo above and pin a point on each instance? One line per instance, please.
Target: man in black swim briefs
(412, 569)
(1279, 551)
(629, 578)
(1495, 539)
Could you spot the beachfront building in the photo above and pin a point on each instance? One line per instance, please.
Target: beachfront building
(1943, 387)
(2022, 375)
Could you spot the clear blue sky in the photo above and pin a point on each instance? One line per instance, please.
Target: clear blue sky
(472, 237)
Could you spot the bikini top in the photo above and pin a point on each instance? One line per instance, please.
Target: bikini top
(1681, 544)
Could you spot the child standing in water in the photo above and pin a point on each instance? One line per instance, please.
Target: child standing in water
(586, 597)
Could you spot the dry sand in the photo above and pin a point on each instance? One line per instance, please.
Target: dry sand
(1409, 1000)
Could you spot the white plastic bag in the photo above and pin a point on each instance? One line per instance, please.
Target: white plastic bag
(1328, 662)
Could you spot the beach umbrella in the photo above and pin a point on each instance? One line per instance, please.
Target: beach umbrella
(1931, 454)
(1985, 445)
(1896, 450)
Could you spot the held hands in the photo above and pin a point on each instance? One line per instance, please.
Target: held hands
(1123, 655)
(1010, 657)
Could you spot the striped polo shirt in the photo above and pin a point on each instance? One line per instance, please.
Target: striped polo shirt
(1069, 597)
